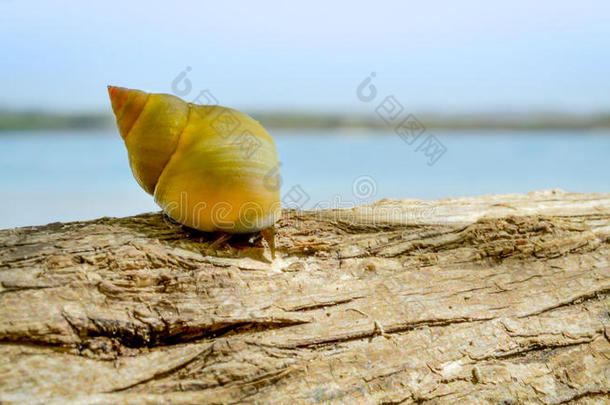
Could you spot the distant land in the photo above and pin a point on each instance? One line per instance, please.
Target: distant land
(40, 120)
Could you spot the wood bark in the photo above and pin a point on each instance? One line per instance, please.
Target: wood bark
(492, 299)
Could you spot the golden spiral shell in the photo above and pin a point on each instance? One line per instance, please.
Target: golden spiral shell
(208, 167)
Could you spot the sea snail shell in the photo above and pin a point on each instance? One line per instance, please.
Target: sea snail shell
(208, 167)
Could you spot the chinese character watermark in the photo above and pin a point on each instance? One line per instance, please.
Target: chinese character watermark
(226, 123)
(408, 127)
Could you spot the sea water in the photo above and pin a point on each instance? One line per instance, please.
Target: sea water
(48, 176)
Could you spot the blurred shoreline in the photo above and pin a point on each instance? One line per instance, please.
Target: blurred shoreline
(40, 120)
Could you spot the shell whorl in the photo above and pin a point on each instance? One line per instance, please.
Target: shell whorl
(207, 166)
(127, 106)
(150, 125)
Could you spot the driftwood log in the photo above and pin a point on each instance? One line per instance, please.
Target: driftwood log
(493, 299)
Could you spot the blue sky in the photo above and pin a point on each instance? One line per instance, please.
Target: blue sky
(432, 55)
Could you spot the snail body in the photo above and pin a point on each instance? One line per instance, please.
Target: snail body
(206, 166)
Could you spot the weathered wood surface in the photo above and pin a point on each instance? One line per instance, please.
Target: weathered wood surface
(494, 299)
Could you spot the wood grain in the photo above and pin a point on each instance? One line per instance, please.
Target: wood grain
(492, 299)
